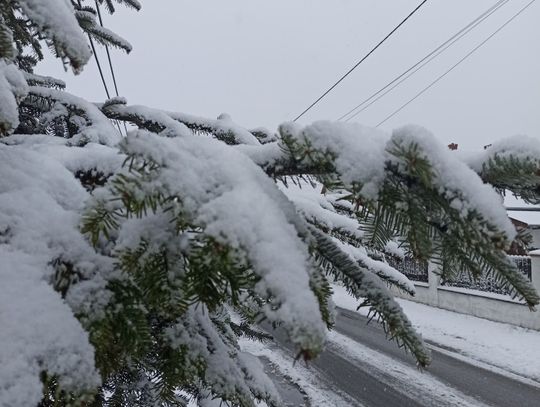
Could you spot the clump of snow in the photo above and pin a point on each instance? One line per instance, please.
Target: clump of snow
(393, 248)
(13, 88)
(39, 332)
(262, 155)
(40, 201)
(359, 151)
(459, 183)
(56, 20)
(520, 147)
(240, 206)
(92, 156)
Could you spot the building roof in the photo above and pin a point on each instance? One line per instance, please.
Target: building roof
(528, 216)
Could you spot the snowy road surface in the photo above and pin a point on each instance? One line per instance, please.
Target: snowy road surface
(362, 368)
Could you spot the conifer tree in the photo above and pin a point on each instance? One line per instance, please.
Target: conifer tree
(132, 265)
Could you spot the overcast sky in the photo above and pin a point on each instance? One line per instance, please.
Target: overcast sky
(264, 62)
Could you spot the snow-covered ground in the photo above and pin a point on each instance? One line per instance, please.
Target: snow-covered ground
(508, 347)
(315, 387)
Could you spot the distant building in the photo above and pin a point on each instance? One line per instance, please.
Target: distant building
(524, 216)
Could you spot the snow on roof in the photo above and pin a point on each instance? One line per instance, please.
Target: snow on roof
(528, 217)
(532, 218)
(510, 201)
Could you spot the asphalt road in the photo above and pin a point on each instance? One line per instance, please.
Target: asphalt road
(448, 381)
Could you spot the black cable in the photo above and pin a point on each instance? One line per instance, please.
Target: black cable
(110, 63)
(107, 49)
(101, 73)
(456, 64)
(362, 60)
(423, 62)
(99, 67)
(97, 61)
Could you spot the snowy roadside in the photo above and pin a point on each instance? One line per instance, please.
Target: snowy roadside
(315, 387)
(508, 347)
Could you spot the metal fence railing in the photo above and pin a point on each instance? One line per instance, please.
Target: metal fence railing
(414, 270)
(418, 271)
(489, 283)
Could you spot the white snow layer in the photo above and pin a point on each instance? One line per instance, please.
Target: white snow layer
(13, 88)
(359, 151)
(39, 332)
(40, 200)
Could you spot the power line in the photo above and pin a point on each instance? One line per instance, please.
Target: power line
(101, 74)
(361, 60)
(107, 49)
(423, 62)
(99, 68)
(456, 64)
(110, 62)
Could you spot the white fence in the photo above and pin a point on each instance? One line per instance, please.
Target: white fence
(482, 298)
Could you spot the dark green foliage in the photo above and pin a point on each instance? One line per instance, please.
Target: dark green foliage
(361, 283)
(166, 325)
(158, 285)
(6, 41)
(520, 176)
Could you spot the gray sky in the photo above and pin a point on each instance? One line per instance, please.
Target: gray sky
(264, 62)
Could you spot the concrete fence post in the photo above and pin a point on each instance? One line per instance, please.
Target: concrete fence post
(434, 281)
(535, 269)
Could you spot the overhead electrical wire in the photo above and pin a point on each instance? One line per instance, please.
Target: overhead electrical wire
(360, 61)
(99, 68)
(456, 64)
(107, 49)
(421, 63)
(110, 63)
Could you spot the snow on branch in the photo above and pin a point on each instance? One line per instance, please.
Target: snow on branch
(364, 285)
(144, 117)
(223, 128)
(92, 125)
(13, 89)
(55, 19)
(218, 189)
(87, 20)
(511, 164)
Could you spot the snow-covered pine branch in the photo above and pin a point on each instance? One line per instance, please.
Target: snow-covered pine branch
(123, 259)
